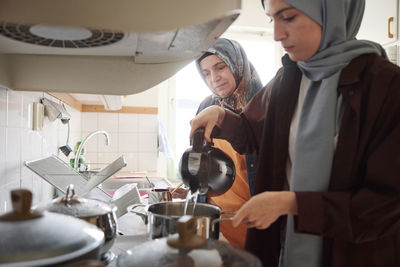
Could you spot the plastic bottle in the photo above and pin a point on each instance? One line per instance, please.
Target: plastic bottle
(81, 159)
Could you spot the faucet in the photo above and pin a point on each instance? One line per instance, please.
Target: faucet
(78, 153)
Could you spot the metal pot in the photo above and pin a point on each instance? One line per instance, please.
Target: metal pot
(186, 249)
(161, 218)
(44, 239)
(93, 211)
(157, 195)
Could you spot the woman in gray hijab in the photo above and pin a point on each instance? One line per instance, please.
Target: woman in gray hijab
(327, 186)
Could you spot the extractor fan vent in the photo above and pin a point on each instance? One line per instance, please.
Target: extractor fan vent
(62, 37)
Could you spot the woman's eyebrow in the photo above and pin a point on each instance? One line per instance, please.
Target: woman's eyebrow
(218, 63)
(214, 66)
(280, 11)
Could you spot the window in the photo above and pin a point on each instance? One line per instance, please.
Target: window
(191, 89)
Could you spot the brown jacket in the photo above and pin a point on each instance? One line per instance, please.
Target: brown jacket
(359, 216)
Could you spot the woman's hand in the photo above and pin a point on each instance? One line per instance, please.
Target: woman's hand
(207, 118)
(265, 208)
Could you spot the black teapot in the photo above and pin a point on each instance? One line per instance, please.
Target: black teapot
(206, 168)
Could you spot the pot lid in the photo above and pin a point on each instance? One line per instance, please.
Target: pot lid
(158, 253)
(36, 239)
(187, 249)
(77, 206)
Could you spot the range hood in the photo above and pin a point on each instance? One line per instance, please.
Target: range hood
(117, 47)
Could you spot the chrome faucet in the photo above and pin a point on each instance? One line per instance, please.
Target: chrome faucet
(84, 142)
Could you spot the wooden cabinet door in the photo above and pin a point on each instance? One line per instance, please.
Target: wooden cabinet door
(380, 21)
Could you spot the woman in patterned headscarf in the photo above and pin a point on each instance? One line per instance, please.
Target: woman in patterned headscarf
(327, 185)
(233, 81)
(246, 80)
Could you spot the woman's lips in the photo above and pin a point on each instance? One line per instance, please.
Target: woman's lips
(220, 86)
(288, 48)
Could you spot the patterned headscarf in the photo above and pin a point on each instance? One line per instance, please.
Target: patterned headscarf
(247, 80)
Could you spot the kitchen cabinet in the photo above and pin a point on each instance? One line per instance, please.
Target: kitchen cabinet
(380, 21)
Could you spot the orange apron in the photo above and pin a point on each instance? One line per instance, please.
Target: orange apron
(235, 197)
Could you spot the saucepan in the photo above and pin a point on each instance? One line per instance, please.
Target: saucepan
(94, 211)
(157, 195)
(161, 218)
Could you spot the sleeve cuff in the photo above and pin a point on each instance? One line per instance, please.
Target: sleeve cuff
(310, 213)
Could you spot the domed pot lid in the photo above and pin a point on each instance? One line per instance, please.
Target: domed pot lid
(36, 239)
(77, 206)
(186, 249)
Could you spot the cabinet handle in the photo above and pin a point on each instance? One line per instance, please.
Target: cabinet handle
(390, 20)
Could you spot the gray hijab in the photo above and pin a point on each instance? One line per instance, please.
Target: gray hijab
(340, 21)
(321, 112)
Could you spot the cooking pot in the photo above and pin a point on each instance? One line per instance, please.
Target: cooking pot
(159, 195)
(206, 168)
(186, 249)
(93, 211)
(44, 239)
(161, 218)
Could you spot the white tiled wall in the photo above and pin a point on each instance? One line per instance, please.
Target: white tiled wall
(131, 135)
(19, 143)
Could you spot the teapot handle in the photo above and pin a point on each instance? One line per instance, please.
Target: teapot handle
(198, 140)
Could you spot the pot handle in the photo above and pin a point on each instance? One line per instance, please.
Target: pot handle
(220, 219)
(143, 215)
(21, 202)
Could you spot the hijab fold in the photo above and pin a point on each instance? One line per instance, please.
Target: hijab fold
(320, 115)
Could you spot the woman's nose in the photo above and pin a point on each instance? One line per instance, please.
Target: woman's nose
(215, 76)
(279, 32)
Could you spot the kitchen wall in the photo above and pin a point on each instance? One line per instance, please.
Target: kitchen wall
(131, 135)
(19, 143)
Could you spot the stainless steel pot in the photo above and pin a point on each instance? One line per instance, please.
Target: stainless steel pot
(44, 239)
(161, 218)
(93, 211)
